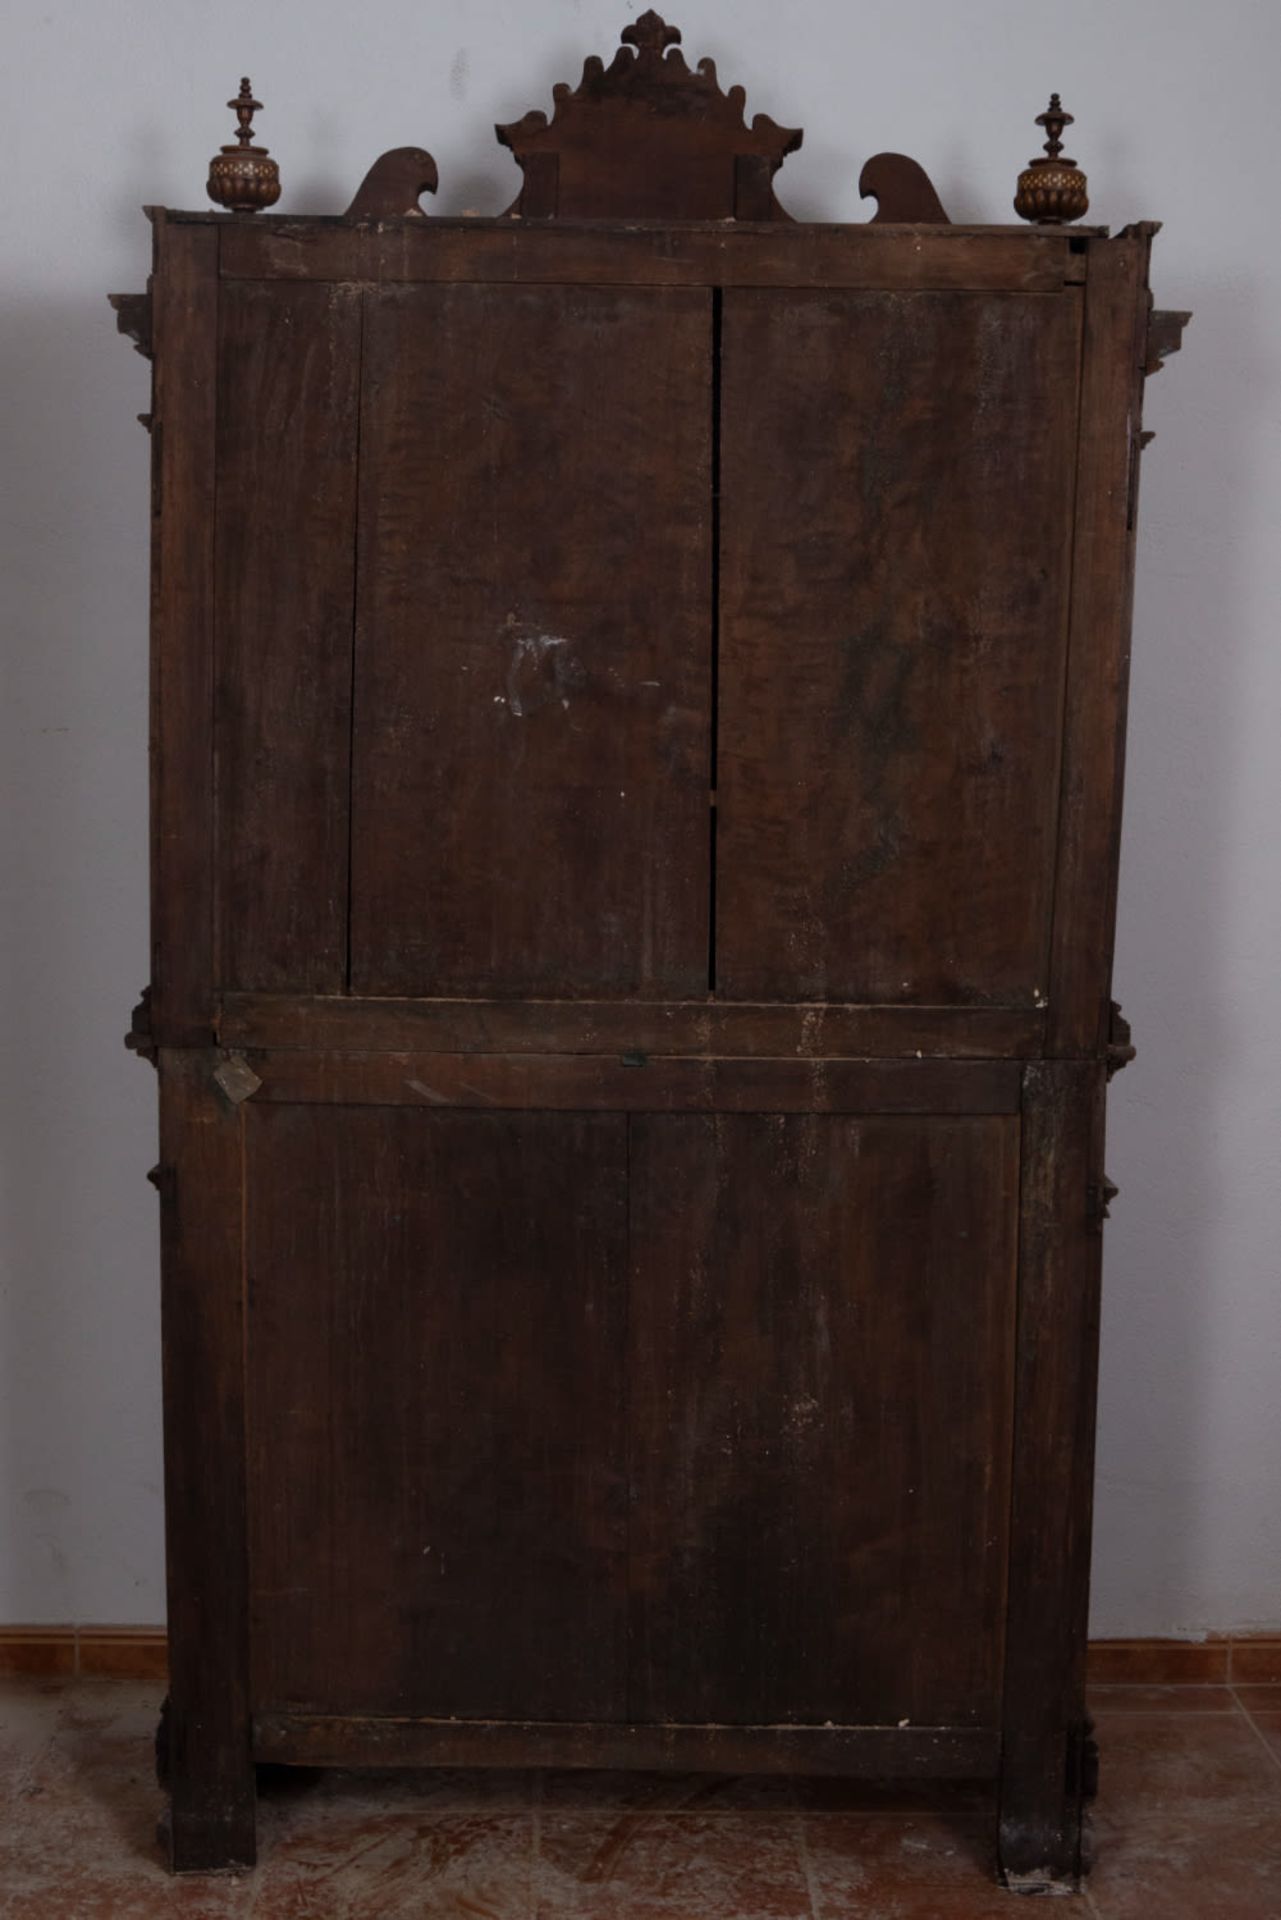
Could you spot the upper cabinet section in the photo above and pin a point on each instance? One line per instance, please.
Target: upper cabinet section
(640, 596)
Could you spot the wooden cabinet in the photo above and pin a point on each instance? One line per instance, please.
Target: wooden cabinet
(638, 707)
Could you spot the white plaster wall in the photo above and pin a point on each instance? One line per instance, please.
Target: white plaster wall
(111, 105)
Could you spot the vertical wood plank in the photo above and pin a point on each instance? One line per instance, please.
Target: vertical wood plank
(1056, 1370)
(436, 1323)
(820, 1377)
(288, 387)
(202, 1324)
(185, 318)
(1098, 666)
(896, 479)
(533, 643)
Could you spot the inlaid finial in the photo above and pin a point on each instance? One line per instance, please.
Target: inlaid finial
(1052, 187)
(243, 177)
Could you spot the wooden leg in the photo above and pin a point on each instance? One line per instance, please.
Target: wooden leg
(212, 1800)
(1044, 1761)
(1039, 1835)
(205, 1735)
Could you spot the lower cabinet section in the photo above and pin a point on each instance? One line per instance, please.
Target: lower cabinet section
(589, 1420)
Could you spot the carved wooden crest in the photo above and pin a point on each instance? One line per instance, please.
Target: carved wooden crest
(648, 138)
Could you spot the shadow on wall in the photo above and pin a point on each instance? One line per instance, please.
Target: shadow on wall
(79, 1359)
(1161, 1511)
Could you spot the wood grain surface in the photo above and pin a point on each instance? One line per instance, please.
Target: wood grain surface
(894, 562)
(437, 1512)
(820, 1393)
(532, 725)
(289, 372)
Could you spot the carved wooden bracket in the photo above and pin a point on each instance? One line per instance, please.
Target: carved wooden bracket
(1165, 336)
(902, 190)
(139, 1038)
(393, 185)
(647, 138)
(1120, 1048)
(133, 319)
(1099, 1197)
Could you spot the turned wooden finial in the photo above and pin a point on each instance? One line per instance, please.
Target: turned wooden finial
(1052, 187)
(242, 176)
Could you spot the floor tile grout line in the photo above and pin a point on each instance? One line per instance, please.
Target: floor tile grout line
(537, 1800)
(1162, 1713)
(807, 1865)
(255, 1882)
(1259, 1735)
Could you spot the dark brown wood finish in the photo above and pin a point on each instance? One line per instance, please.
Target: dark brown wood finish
(723, 253)
(903, 1753)
(185, 316)
(531, 742)
(394, 185)
(701, 1029)
(648, 138)
(202, 1327)
(902, 189)
(289, 360)
(819, 1382)
(437, 1513)
(631, 1083)
(894, 545)
(638, 703)
(1060, 1245)
(1089, 839)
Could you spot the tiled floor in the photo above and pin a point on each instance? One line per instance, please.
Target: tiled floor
(1187, 1827)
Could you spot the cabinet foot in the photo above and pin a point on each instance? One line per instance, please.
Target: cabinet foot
(1043, 1843)
(209, 1824)
(209, 1834)
(1042, 1880)
(1041, 1855)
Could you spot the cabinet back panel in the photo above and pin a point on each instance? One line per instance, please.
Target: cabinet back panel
(531, 744)
(675, 1418)
(288, 378)
(896, 487)
(820, 1384)
(437, 1516)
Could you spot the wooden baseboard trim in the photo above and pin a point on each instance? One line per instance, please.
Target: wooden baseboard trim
(140, 1653)
(1218, 1660)
(116, 1653)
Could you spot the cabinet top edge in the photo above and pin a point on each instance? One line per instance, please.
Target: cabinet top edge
(880, 233)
